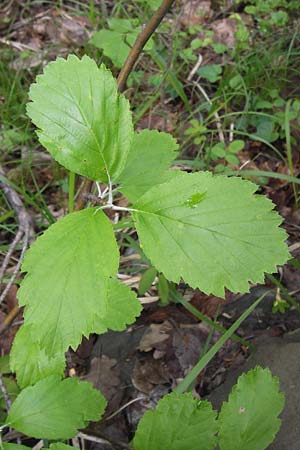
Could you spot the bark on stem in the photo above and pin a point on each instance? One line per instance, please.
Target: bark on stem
(143, 37)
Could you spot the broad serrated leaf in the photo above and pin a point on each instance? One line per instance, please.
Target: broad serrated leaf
(150, 156)
(55, 409)
(81, 119)
(211, 231)
(66, 287)
(122, 306)
(30, 361)
(249, 420)
(71, 287)
(179, 422)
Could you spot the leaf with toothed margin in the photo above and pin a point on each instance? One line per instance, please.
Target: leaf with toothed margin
(178, 422)
(212, 231)
(81, 118)
(30, 361)
(56, 409)
(150, 155)
(122, 306)
(249, 419)
(70, 284)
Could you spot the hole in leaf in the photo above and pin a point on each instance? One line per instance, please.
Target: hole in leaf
(195, 199)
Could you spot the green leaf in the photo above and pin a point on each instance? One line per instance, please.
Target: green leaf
(71, 287)
(154, 4)
(151, 154)
(179, 422)
(211, 231)
(147, 279)
(10, 446)
(232, 159)
(4, 364)
(117, 42)
(236, 82)
(82, 120)
(211, 72)
(54, 409)
(122, 306)
(263, 104)
(60, 446)
(219, 48)
(218, 150)
(264, 128)
(249, 420)
(130, 38)
(66, 287)
(236, 146)
(30, 361)
(112, 44)
(120, 25)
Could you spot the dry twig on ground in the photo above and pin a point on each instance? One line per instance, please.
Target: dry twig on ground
(25, 232)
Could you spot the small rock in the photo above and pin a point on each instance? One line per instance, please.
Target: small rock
(282, 357)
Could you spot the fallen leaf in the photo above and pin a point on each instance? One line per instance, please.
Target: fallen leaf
(154, 336)
(195, 12)
(104, 375)
(148, 373)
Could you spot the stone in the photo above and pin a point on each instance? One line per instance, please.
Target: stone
(282, 356)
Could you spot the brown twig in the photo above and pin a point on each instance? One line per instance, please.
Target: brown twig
(5, 394)
(9, 318)
(86, 189)
(143, 37)
(25, 232)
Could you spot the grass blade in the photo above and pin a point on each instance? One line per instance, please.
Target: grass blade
(192, 375)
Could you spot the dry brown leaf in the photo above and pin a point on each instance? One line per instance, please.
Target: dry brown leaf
(104, 375)
(207, 304)
(195, 12)
(224, 30)
(154, 336)
(148, 373)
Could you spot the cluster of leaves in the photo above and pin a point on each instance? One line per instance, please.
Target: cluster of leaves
(220, 152)
(185, 223)
(248, 420)
(117, 41)
(271, 14)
